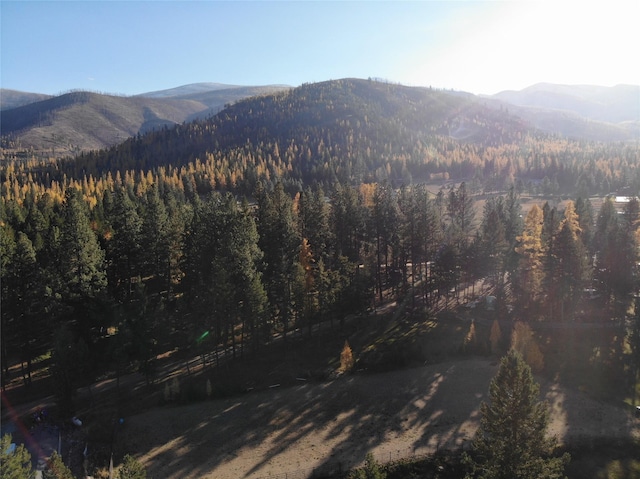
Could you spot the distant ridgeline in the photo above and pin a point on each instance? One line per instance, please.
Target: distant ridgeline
(354, 131)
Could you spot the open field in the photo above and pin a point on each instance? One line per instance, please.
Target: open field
(331, 425)
(420, 393)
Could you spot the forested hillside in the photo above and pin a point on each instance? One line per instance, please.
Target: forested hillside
(354, 131)
(41, 126)
(299, 208)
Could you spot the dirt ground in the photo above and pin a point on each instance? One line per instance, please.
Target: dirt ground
(278, 433)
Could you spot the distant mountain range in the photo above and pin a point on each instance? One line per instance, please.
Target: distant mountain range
(617, 104)
(14, 98)
(579, 111)
(80, 121)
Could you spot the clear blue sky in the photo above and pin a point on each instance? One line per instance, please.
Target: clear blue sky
(132, 47)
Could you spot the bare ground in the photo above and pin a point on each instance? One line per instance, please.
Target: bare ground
(332, 425)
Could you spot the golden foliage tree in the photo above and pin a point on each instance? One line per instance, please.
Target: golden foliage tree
(346, 358)
(524, 342)
(530, 251)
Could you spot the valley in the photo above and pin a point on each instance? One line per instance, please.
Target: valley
(191, 289)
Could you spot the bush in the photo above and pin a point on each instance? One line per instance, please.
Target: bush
(131, 469)
(371, 470)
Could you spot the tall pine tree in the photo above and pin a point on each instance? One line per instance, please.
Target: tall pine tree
(511, 442)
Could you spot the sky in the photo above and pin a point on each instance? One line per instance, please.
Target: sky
(483, 47)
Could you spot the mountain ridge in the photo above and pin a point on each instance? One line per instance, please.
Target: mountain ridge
(617, 104)
(15, 98)
(80, 121)
(42, 126)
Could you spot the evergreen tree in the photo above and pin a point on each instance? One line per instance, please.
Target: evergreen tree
(605, 240)
(550, 226)
(125, 246)
(69, 360)
(7, 249)
(584, 209)
(178, 217)
(26, 302)
(513, 225)
(348, 219)
(155, 236)
(56, 469)
(385, 221)
(248, 297)
(461, 215)
(571, 269)
(529, 277)
(494, 245)
(280, 243)
(82, 271)
(313, 216)
(511, 442)
(16, 463)
(634, 342)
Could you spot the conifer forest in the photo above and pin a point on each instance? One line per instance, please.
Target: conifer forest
(282, 215)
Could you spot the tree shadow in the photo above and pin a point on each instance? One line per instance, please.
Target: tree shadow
(323, 427)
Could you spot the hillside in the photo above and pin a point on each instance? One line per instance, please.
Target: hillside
(185, 90)
(578, 111)
(358, 131)
(14, 98)
(353, 130)
(617, 104)
(82, 121)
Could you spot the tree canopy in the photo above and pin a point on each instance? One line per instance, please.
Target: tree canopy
(512, 442)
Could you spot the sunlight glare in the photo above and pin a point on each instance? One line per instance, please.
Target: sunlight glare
(512, 45)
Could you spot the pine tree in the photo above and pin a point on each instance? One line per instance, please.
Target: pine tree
(125, 246)
(16, 463)
(280, 243)
(494, 244)
(511, 442)
(25, 303)
(68, 360)
(462, 216)
(56, 469)
(348, 219)
(81, 258)
(571, 268)
(155, 236)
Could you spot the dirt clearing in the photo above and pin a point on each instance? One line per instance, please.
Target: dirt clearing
(332, 425)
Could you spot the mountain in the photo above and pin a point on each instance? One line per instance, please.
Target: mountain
(616, 104)
(350, 130)
(14, 98)
(353, 131)
(578, 111)
(186, 90)
(214, 95)
(81, 121)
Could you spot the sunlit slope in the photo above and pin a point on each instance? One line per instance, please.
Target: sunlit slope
(348, 128)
